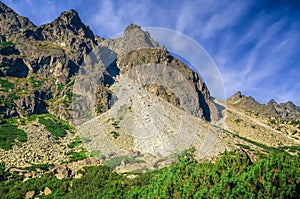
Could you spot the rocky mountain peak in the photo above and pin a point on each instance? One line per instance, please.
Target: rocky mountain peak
(71, 20)
(134, 38)
(237, 95)
(69, 31)
(4, 8)
(286, 111)
(68, 23)
(272, 102)
(131, 27)
(134, 33)
(11, 22)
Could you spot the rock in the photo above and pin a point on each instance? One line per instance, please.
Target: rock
(78, 175)
(62, 171)
(47, 191)
(14, 67)
(142, 65)
(28, 175)
(112, 154)
(29, 195)
(133, 154)
(124, 162)
(11, 22)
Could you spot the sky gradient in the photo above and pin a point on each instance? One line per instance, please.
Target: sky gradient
(255, 44)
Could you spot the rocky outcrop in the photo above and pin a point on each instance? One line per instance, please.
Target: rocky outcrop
(156, 64)
(163, 92)
(285, 111)
(10, 22)
(134, 38)
(71, 169)
(69, 31)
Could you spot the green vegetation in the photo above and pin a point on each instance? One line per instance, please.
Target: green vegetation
(114, 162)
(2, 171)
(59, 87)
(9, 102)
(232, 176)
(115, 134)
(39, 166)
(272, 121)
(295, 123)
(267, 148)
(68, 98)
(6, 85)
(293, 149)
(71, 83)
(8, 43)
(11, 135)
(99, 108)
(74, 156)
(238, 120)
(55, 126)
(98, 154)
(35, 83)
(75, 143)
(244, 146)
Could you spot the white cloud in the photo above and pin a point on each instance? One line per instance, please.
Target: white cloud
(106, 19)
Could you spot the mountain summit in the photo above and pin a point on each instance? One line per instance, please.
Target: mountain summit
(11, 22)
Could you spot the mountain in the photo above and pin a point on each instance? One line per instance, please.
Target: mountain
(62, 68)
(281, 119)
(78, 111)
(285, 111)
(69, 95)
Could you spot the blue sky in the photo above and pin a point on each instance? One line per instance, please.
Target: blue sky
(255, 44)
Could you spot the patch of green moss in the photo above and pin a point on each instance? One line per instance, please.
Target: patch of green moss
(8, 43)
(5, 85)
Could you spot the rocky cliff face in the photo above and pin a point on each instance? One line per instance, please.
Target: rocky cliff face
(43, 62)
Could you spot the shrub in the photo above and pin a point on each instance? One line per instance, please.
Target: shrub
(75, 156)
(55, 126)
(10, 135)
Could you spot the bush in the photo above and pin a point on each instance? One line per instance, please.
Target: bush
(55, 126)
(75, 156)
(75, 143)
(275, 176)
(9, 134)
(2, 169)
